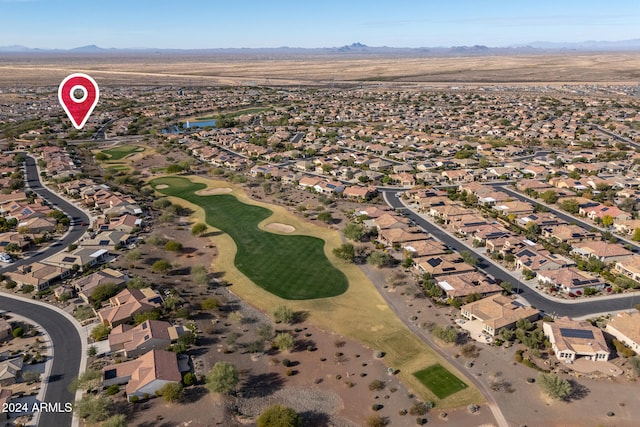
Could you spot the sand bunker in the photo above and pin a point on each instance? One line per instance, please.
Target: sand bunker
(282, 228)
(161, 186)
(212, 191)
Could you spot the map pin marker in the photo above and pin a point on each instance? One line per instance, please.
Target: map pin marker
(78, 109)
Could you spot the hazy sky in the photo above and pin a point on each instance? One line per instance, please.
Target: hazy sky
(309, 23)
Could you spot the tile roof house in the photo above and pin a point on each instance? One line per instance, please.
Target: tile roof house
(630, 267)
(571, 339)
(461, 285)
(136, 340)
(128, 303)
(497, 312)
(443, 265)
(570, 280)
(38, 274)
(625, 326)
(10, 370)
(87, 285)
(144, 375)
(396, 236)
(604, 251)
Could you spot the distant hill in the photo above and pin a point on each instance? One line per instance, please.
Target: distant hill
(358, 48)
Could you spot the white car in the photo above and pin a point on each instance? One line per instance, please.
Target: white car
(4, 257)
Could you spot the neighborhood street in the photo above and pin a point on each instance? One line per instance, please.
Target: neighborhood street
(577, 308)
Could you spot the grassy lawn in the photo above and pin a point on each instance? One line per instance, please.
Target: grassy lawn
(440, 381)
(360, 313)
(291, 267)
(122, 151)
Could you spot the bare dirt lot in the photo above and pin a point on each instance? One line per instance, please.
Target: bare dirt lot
(24, 70)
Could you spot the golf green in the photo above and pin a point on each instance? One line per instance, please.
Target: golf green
(440, 381)
(291, 267)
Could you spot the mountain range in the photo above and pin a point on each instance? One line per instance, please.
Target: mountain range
(359, 48)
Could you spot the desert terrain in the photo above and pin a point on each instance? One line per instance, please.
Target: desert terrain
(205, 70)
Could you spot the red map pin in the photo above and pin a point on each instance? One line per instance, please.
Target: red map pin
(78, 109)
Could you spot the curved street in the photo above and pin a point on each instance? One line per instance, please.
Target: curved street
(579, 308)
(65, 339)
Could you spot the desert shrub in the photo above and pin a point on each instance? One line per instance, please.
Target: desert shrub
(376, 385)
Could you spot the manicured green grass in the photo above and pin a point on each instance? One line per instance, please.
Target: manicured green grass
(122, 151)
(292, 267)
(440, 381)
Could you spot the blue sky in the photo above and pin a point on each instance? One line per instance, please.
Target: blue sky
(305, 23)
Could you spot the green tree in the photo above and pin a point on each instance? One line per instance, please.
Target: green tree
(468, 257)
(284, 341)
(354, 232)
(636, 235)
(283, 314)
(607, 221)
(93, 409)
(549, 196)
(210, 304)
(571, 206)
(378, 259)
(100, 332)
(222, 378)
(173, 246)
(447, 334)
(325, 217)
(161, 266)
(198, 229)
(171, 392)
(133, 256)
(279, 416)
(345, 252)
(554, 386)
(200, 275)
(102, 293)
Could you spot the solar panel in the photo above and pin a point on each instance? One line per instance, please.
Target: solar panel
(434, 262)
(576, 333)
(68, 259)
(110, 374)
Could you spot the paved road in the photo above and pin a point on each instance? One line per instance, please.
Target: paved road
(67, 350)
(541, 302)
(66, 342)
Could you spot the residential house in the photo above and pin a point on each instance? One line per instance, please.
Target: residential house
(38, 275)
(571, 339)
(87, 285)
(124, 223)
(136, 340)
(11, 370)
(126, 304)
(570, 280)
(359, 193)
(38, 225)
(599, 211)
(144, 375)
(603, 251)
(443, 265)
(537, 259)
(109, 240)
(397, 236)
(81, 258)
(625, 326)
(629, 267)
(462, 285)
(497, 312)
(569, 233)
(388, 220)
